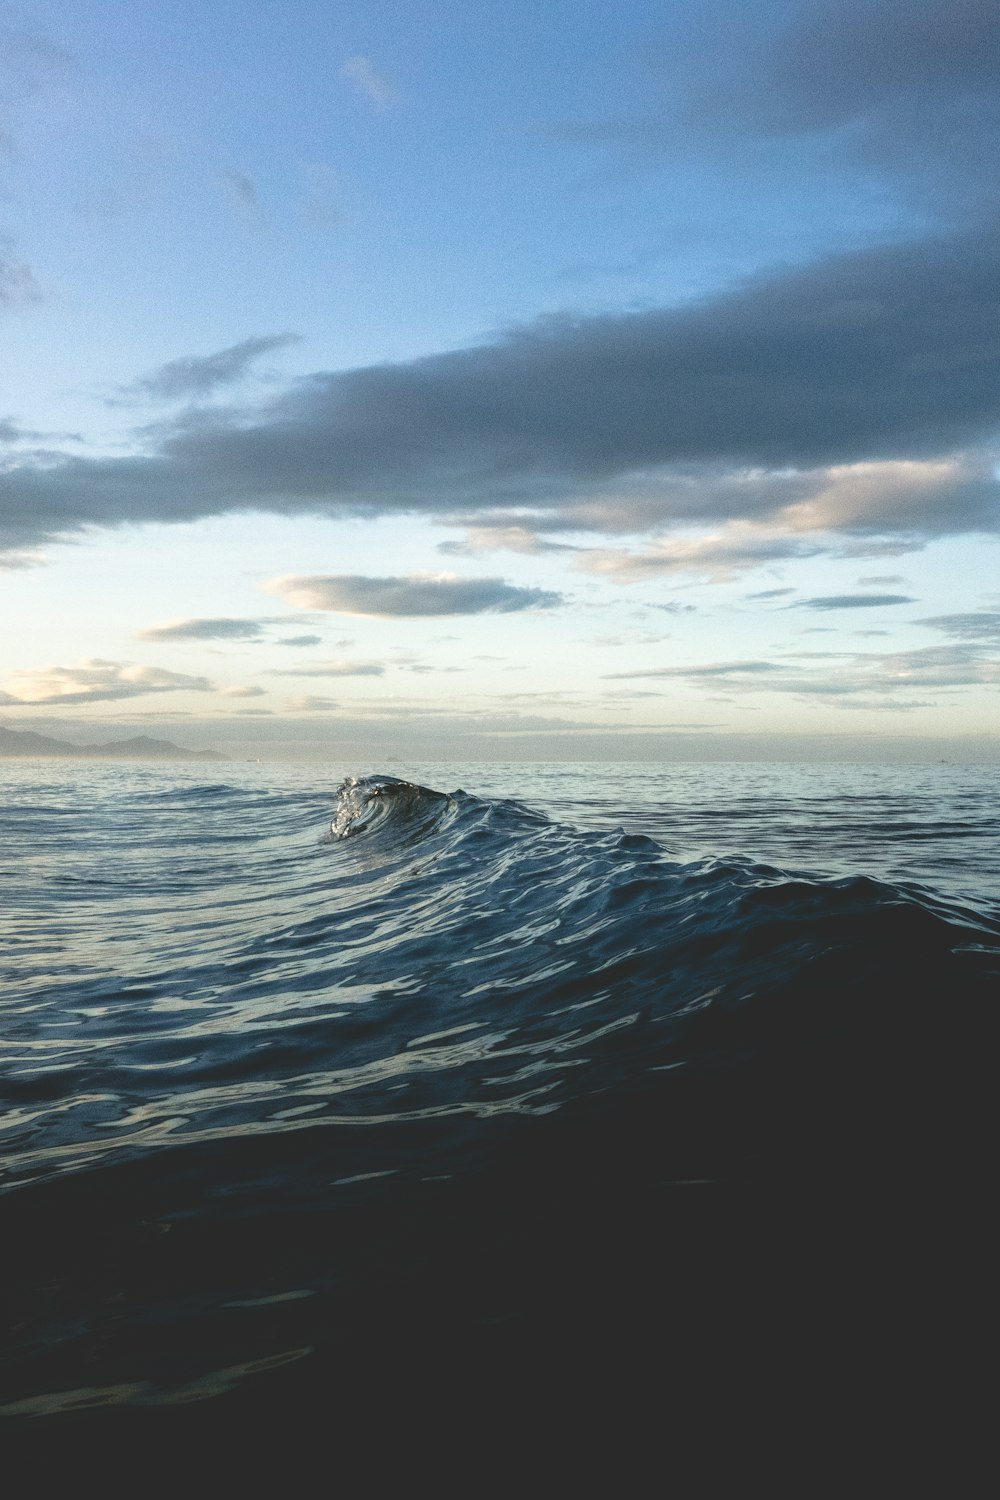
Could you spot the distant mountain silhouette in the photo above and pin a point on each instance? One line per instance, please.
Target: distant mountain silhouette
(141, 747)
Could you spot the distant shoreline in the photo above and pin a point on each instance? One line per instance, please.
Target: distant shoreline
(26, 745)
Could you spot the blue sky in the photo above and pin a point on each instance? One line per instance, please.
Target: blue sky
(503, 380)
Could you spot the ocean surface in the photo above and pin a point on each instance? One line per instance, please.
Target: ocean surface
(330, 1095)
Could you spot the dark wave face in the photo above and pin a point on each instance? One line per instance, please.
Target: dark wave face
(451, 1064)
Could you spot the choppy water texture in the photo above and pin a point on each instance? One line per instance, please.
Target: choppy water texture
(304, 1075)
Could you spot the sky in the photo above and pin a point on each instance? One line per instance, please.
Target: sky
(502, 381)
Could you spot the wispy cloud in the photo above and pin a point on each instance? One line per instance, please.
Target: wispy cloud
(740, 546)
(241, 191)
(331, 669)
(224, 628)
(846, 679)
(202, 374)
(10, 561)
(503, 538)
(96, 681)
(726, 669)
(416, 595)
(310, 704)
(852, 601)
(17, 283)
(372, 84)
(31, 53)
(980, 625)
(220, 629)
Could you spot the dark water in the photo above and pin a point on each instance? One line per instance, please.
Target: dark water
(332, 1107)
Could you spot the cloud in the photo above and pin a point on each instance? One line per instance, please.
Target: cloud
(857, 396)
(30, 64)
(417, 595)
(981, 625)
(224, 628)
(727, 669)
(17, 283)
(515, 537)
(241, 191)
(878, 94)
(852, 601)
(331, 669)
(717, 556)
(377, 89)
(243, 691)
(31, 54)
(221, 629)
(96, 681)
(201, 374)
(844, 679)
(310, 704)
(830, 64)
(10, 561)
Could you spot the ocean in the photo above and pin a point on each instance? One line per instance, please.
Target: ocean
(492, 1098)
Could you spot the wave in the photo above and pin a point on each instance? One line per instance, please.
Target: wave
(450, 1058)
(447, 958)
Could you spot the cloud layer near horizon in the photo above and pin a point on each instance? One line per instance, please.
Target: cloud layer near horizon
(858, 396)
(95, 681)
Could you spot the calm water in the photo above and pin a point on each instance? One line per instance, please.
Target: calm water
(305, 1073)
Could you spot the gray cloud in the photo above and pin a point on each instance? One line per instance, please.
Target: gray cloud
(831, 64)
(727, 669)
(852, 601)
(201, 374)
(834, 398)
(226, 628)
(847, 679)
(893, 94)
(221, 629)
(982, 625)
(331, 669)
(418, 595)
(935, 667)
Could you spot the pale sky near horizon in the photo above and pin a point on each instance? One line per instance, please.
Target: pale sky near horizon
(496, 380)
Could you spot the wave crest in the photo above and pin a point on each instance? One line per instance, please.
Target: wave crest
(365, 802)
